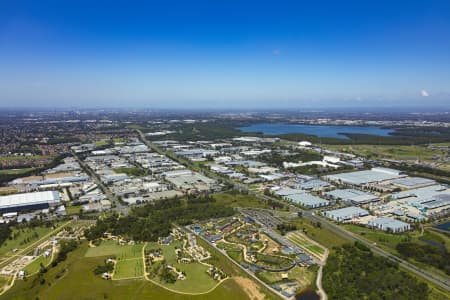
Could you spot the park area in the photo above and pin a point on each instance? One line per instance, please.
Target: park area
(197, 279)
(129, 261)
(74, 279)
(21, 238)
(34, 267)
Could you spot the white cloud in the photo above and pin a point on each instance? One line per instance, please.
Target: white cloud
(424, 93)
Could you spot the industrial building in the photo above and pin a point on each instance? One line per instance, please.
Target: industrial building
(307, 200)
(360, 178)
(389, 224)
(413, 182)
(29, 201)
(346, 213)
(352, 196)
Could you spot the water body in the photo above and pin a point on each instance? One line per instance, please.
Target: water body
(307, 295)
(333, 131)
(444, 226)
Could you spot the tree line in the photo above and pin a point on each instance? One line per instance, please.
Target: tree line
(154, 220)
(354, 272)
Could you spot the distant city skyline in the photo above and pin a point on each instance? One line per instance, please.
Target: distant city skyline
(233, 54)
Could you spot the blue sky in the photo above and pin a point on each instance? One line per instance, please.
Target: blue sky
(230, 54)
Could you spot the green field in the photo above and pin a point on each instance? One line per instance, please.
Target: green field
(3, 281)
(24, 238)
(321, 235)
(35, 265)
(383, 239)
(298, 239)
(131, 171)
(304, 276)
(129, 268)
(240, 200)
(197, 280)
(14, 157)
(15, 171)
(73, 210)
(397, 152)
(74, 279)
(111, 248)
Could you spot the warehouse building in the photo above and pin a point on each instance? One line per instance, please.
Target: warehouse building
(346, 213)
(389, 224)
(307, 200)
(29, 201)
(352, 196)
(360, 178)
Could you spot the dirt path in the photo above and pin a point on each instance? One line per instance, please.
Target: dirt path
(249, 287)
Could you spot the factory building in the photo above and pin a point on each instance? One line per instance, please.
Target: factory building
(29, 201)
(389, 224)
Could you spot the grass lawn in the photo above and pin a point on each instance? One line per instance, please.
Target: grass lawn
(321, 235)
(14, 157)
(73, 210)
(3, 281)
(15, 171)
(130, 268)
(388, 151)
(304, 276)
(240, 200)
(74, 279)
(298, 239)
(24, 237)
(197, 280)
(110, 247)
(236, 255)
(35, 265)
(381, 238)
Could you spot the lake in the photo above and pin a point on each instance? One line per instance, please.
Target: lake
(332, 131)
(443, 226)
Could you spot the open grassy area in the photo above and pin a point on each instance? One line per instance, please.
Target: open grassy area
(197, 280)
(131, 171)
(3, 281)
(112, 248)
(299, 239)
(73, 209)
(35, 265)
(15, 171)
(23, 238)
(387, 151)
(240, 200)
(304, 276)
(14, 157)
(319, 234)
(129, 268)
(389, 241)
(74, 279)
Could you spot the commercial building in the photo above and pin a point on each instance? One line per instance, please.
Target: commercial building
(29, 201)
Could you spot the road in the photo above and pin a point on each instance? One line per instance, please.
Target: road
(425, 274)
(123, 209)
